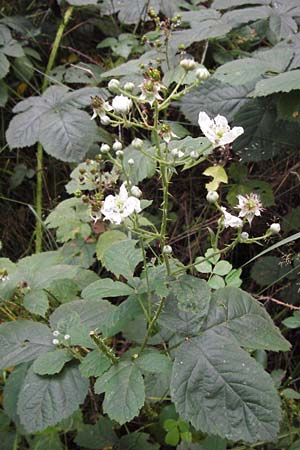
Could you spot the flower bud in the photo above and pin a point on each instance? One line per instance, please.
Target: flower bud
(67, 337)
(244, 236)
(117, 146)
(55, 333)
(137, 143)
(275, 228)
(113, 85)
(129, 86)
(136, 192)
(119, 153)
(212, 197)
(55, 341)
(104, 148)
(194, 154)
(105, 120)
(188, 64)
(167, 250)
(131, 162)
(77, 193)
(202, 73)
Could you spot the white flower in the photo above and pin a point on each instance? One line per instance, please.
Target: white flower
(119, 153)
(136, 192)
(121, 104)
(212, 197)
(118, 207)
(202, 73)
(244, 235)
(217, 130)
(104, 119)
(167, 249)
(55, 341)
(188, 64)
(249, 206)
(67, 337)
(177, 153)
(230, 220)
(100, 108)
(55, 333)
(150, 91)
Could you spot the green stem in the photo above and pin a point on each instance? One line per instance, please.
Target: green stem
(39, 175)
(104, 348)
(152, 323)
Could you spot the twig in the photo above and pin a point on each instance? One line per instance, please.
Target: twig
(279, 302)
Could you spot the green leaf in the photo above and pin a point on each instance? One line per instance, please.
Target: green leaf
(51, 363)
(22, 341)
(290, 394)
(234, 312)
(219, 176)
(293, 321)
(282, 23)
(288, 106)
(4, 65)
(154, 362)
(106, 288)
(214, 98)
(36, 302)
(122, 258)
(51, 441)
(221, 390)
(124, 390)
(193, 294)
(44, 401)
(3, 94)
(268, 270)
(64, 290)
(106, 240)
(144, 166)
(242, 71)
(216, 282)
(82, 2)
(284, 82)
(97, 436)
(11, 391)
(222, 268)
(136, 441)
(202, 265)
(129, 11)
(228, 4)
(94, 364)
(233, 278)
(214, 443)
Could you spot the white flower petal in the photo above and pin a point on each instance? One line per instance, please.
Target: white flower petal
(123, 195)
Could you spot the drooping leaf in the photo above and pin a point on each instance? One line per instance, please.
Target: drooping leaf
(235, 312)
(221, 390)
(99, 435)
(44, 401)
(22, 341)
(124, 390)
(51, 363)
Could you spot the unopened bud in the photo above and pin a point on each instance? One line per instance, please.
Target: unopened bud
(131, 162)
(105, 120)
(55, 333)
(67, 337)
(129, 86)
(117, 146)
(167, 249)
(202, 73)
(244, 236)
(137, 143)
(188, 64)
(119, 153)
(212, 197)
(104, 148)
(114, 85)
(55, 342)
(275, 228)
(136, 192)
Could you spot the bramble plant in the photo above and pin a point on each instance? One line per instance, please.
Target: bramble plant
(150, 336)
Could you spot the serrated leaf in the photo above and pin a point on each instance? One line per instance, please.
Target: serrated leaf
(234, 312)
(122, 258)
(4, 65)
(51, 441)
(268, 270)
(94, 364)
(151, 360)
(284, 82)
(23, 341)
(215, 98)
(282, 23)
(221, 390)
(193, 294)
(228, 4)
(36, 302)
(124, 390)
(12, 389)
(51, 363)
(44, 401)
(99, 435)
(144, 166)
(130, 12)
(237, 17)
(106, 288)
(106, 240)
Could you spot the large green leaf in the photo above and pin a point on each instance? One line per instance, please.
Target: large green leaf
(236, 312)
(136, 441)
(238, 17)
(106, 240)
(282, 18)
(129, 11)
(242, 71)
(124, 390)
(144, 166)
(228, 4)
(44, 401)
(284, 82)
(4, 65)
(221, 390)
(106, 288)
(11, 391)
(193, 294)
(51, 363)
(22, 341)
(36, 302)
(94, 364)
(82, 2)
(97, 436)
(214, 98)
(153, 361)
(122, 258)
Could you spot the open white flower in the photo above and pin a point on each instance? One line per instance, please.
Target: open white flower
(230, 220)
(117, 207)
(121, 104)
(217, 130)
(100, 108)
(249, 206)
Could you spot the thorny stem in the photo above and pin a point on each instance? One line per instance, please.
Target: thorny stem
(39, 168)
(104, 348)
